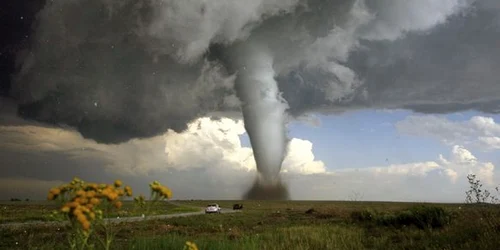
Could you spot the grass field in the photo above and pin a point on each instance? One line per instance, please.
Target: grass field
(21, 211)
(287, 225)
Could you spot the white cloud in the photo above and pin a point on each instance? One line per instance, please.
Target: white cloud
(479, 132)
(492, 142)
(443, 180)
(216, 142)
(461, 162)
(208, 161)
(300, 158)
(208, 152)
(411, 169)
(207, 143)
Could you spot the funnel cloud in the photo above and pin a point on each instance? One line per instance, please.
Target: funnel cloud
(263, 114)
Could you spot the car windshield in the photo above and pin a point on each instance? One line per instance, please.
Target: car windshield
(212, 205)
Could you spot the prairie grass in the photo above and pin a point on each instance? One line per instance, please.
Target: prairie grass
(294, 237)
(297, 225)
(24, 211)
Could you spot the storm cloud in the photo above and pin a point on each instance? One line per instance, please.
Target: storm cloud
(118, 70)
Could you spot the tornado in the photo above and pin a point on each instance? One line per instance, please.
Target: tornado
(264, 117)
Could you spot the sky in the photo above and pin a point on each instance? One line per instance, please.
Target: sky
(400, 138)
(363, 155)
(385, 100)
(379, 137)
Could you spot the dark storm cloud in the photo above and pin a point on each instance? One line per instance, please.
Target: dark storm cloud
(117, 70)
(36, 151)
(16, 19)
(48, 166)
(451, 68)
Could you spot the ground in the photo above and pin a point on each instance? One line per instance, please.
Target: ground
(290, 225)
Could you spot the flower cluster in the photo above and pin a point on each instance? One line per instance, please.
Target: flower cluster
(160, 191)
(82, 200)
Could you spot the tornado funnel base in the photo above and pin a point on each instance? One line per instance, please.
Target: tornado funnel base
(267, 191)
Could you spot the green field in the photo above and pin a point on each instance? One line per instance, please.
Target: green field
(22, 211)
(288, 225)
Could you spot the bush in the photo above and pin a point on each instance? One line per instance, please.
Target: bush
(364, 215)
(310, 211)
(477, 194)
(419, 216)
(427, 216)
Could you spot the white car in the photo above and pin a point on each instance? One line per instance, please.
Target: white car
(212, 208)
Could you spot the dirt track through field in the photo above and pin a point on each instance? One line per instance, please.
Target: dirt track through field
(116, 220)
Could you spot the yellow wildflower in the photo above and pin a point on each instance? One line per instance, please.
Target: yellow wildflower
(92, 186)
(85, 225)
(72, 204)
(190, 246)
(55, 191)
(82, 205)
(85, 209)
(90, 194)
(81, 218)
(80, 201)
(84, 201)
(112, 196)
(77, 212)
(80, 193)
(164, 191)
(168, 193)
(50, 196)
(65, 209)
(118, 204)
(118, 183)
(128, 191)
(95, 201)
(120, 192)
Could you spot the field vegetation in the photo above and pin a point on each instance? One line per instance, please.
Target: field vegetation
(26, 211)
(293, 225)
